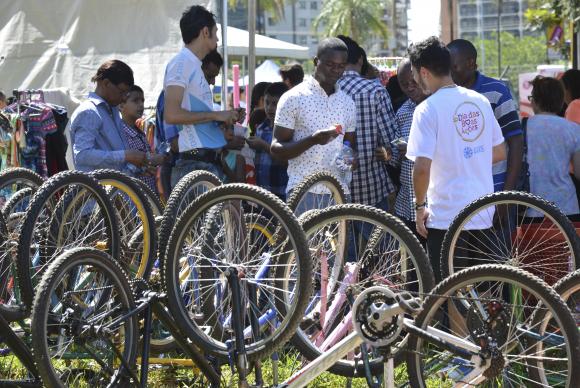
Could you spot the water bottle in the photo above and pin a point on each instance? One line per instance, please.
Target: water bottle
(343, 162)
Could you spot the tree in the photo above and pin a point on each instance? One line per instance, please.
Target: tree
(543, 12)
(358, 19)
(522, 55)
(274, 7)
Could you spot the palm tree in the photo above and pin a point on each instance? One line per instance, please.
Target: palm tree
(358, 19)
(275, 7)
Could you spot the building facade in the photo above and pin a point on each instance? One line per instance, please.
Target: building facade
(297, 27)
(469, 19)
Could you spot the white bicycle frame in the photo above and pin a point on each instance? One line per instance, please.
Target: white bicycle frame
(355, 339)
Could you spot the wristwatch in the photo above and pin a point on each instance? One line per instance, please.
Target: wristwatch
(419, 206)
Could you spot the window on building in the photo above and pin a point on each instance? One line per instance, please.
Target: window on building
(302, 22)
(303, 40)
(468, 10)
(490, 22)
(469, 23)
(271, 21)
(313, 5)
(314, 40)
(510, 21)
(490, 9)
(510, 7)
(302, 4)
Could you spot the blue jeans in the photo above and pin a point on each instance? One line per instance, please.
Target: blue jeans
(183, 167)
(360, 232)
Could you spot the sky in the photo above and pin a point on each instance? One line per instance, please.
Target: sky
(423, 19)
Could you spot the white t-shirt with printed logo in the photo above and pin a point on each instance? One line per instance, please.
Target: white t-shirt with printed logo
(307, 108)
(185, 70)
(457, 130)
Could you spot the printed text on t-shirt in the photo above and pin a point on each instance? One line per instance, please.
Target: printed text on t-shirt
(468, 121)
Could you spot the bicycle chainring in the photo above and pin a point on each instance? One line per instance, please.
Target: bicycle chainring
(374, 318)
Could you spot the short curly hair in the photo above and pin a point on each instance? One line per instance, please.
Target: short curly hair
(431, 54)
(548, 94)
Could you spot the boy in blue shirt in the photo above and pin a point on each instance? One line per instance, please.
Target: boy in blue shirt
(271, 174)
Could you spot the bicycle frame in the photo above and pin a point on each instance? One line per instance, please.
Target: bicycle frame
(454, 344)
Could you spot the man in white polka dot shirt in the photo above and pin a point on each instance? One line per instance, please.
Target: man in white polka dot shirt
(305, 128)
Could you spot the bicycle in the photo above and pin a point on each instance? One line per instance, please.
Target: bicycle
(513, 228)
(344, 261)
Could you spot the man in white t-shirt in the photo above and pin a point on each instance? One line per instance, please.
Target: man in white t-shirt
(305, 128)
(191, 124)
(454, 140)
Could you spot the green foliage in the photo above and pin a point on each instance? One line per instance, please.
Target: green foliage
(568, 10)
(359, 19)
(274, 7)
(522, 55)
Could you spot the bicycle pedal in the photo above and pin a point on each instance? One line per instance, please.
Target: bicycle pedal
(408, 303)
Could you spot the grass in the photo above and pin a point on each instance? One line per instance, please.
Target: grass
(181, 377)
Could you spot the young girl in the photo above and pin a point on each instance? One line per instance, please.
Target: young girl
(132, 109)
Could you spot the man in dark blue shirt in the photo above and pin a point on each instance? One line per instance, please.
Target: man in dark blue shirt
(464, 73)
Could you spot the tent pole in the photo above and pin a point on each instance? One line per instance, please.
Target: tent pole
(225, 54)
(251, 49)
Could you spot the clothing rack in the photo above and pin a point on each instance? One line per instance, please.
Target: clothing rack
(36, 133)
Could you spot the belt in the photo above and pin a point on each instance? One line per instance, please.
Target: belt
(200, 154)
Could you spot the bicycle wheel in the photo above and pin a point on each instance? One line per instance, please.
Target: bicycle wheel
(9, 303)
(187, 189)
(379, 250)
(76, 340)
(15, 179)
(152, 197)
(316, 191)
(18, 202)
(503, 328)
(569, 289)
(512, 228)
(138, 234)
(209, 238)
(69, 210)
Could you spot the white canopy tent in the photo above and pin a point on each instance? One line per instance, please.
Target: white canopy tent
(61, 43)
(265, 46)
(268, 71)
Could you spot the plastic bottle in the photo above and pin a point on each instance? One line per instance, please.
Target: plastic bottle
(343, 162)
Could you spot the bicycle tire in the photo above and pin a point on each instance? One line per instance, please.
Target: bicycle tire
(131, 188)
(295, 236)
(180, 196)
(568, 285)
(16, 200)
(8, 311)
(313, 221)
(152, 197)
(451, 288)
(44, 310)
(59, 183)
(16, 174)
(182, 193)
(330, 181)
(499, 250)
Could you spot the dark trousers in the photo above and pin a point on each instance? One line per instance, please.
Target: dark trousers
(413, 226)
(434, 243)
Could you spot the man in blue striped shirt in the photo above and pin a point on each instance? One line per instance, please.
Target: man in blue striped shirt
(464, 73)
